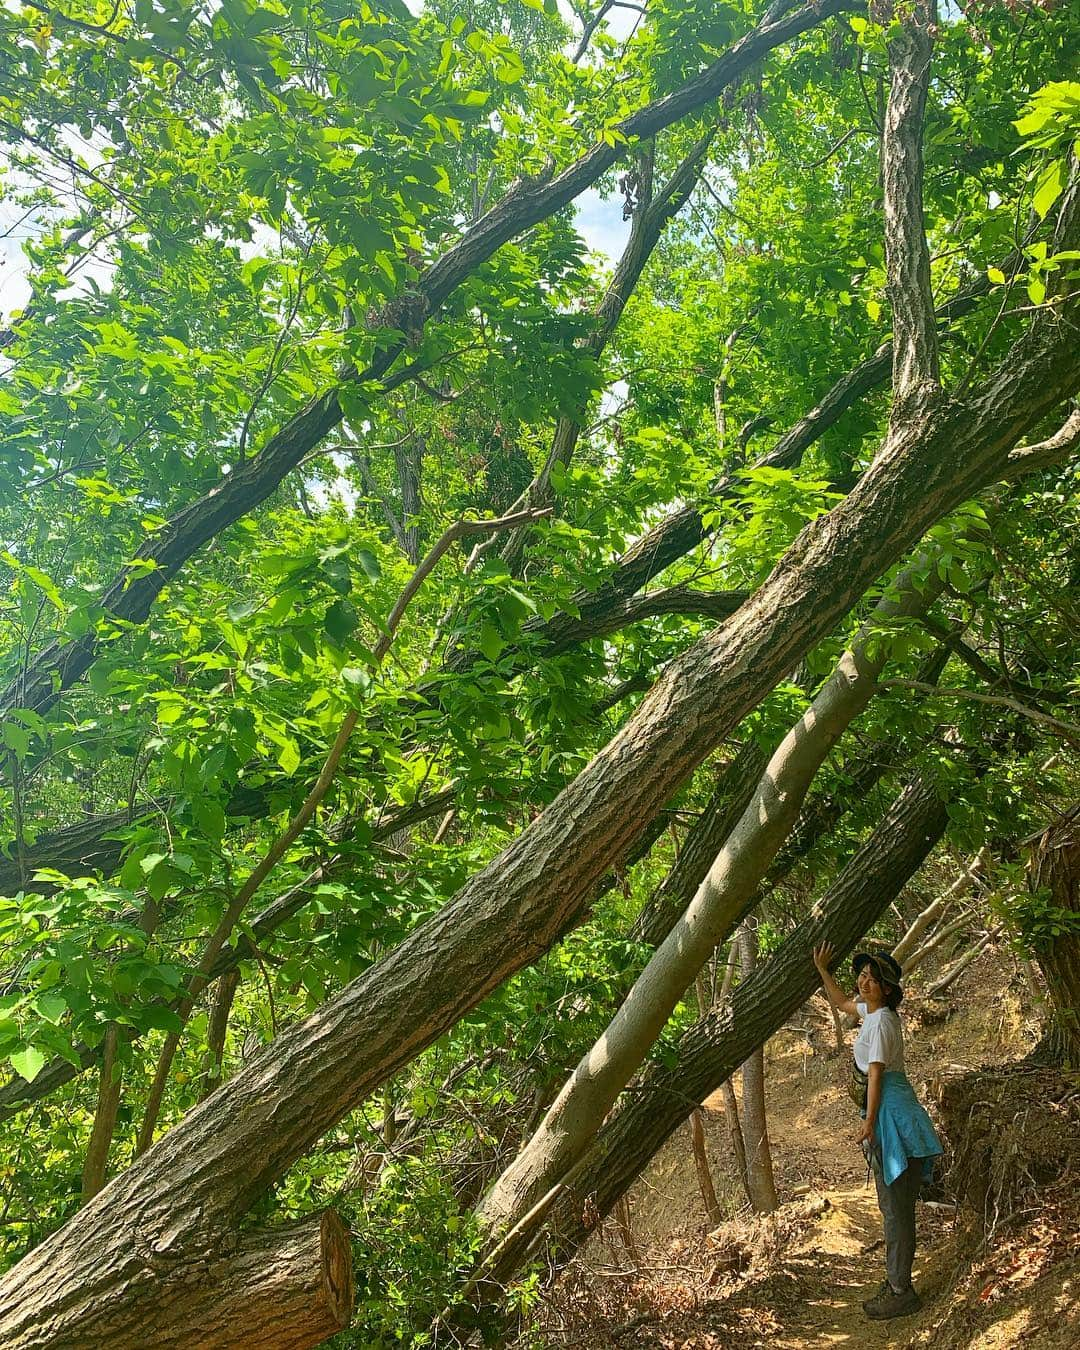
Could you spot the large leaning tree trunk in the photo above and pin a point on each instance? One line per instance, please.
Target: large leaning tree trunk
(187, 1194)
(720, 901)
(714, 1048)
(1054, 874)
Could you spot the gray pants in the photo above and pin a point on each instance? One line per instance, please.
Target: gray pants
(897, 1205)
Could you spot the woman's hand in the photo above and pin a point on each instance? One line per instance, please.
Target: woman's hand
(823, 957)
(866, 1133)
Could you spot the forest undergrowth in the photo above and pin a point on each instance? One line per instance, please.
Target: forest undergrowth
(996, 1269)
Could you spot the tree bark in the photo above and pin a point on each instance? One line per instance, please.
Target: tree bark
(701, 1166)
(101, 1135)
(1055, 866)
(755, 1125)
(280, 1289)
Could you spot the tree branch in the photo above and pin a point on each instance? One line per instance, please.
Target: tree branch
(915, 351)
(1069, 730)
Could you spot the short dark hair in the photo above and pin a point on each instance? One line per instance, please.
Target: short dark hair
(893, 996)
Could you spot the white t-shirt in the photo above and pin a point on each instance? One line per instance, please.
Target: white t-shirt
(880, 1039)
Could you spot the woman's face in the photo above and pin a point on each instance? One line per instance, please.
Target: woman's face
(870, 988)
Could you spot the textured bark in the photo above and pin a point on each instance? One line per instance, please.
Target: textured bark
(755, 1124)
(701, 1166)
(734, 1124)
(710, 1051)
(281, 1289)
(1055, 865)
(217, 1030)
(133, 593)
(916, 375)
(222, 1156)
(101, 1136)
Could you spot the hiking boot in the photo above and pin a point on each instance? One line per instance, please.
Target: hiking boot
(890, 1304)
(883, 1289)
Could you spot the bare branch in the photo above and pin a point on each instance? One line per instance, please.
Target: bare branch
(1069, 730)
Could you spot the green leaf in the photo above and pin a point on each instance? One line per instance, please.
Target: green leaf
(491, 643)
(289, 757)
(27, 1063)
(52, 1007)
(340, 620)
(996, 275)
(369, 563)
(153, 1017)
(1049, 188)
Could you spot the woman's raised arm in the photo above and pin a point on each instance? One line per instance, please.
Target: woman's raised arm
(823, 957)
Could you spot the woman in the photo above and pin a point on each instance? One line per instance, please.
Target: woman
(896, 1133)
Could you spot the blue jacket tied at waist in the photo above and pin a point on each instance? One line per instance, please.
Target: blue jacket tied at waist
(903, 1130)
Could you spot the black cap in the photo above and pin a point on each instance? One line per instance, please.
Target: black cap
(885, 967)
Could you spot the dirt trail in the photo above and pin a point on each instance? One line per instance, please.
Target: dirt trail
(838, 1263)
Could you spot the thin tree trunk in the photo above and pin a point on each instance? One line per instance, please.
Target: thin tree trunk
(217, 1030)
(697, 1134)
(962, 962)
(936, 941)
(932, 913)
(727, 1089)
(731, 793)
(759, 1173)
(701, 1166)
(108, 1103)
